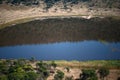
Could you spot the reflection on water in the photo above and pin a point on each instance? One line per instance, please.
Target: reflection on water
(103, 31)
(114, 49)
(61, 30)
(85, 50)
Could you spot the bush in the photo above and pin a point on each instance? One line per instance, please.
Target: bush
(103, 72)
(59, 75)
(43, 69)
(31, 76)
(22, 76)
(16, 76)
(88, 74)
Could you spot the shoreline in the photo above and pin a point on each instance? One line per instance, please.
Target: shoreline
(10, 16)
(28, 19)
(77, 63)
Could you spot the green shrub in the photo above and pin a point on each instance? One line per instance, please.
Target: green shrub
(59, 75)
(88, 74)
(16, 76)
(103, 72)
(31, 76)
(43, 69)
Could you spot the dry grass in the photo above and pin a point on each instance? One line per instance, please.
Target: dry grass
(76, 67)
(111, 64)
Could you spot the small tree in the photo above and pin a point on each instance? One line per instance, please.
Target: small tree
(46, 74)
(88, 74)
(59, 75)
(12, 69)
(103, 72)
(43, 69)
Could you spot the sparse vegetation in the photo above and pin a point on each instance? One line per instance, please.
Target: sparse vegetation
(17, 70)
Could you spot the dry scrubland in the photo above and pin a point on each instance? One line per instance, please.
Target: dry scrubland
(11, 13)
(69, 68)
(76, 67)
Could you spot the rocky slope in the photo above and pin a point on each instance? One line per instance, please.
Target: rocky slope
(11, 10)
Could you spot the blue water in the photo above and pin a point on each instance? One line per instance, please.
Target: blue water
(84, 50)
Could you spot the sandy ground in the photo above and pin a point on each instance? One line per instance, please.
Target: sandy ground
(8, 14)
(75, 72)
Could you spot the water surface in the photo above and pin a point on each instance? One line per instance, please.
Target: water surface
(62, 39)
(83, 50)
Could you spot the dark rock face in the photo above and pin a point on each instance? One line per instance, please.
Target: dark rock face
(59, 30)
